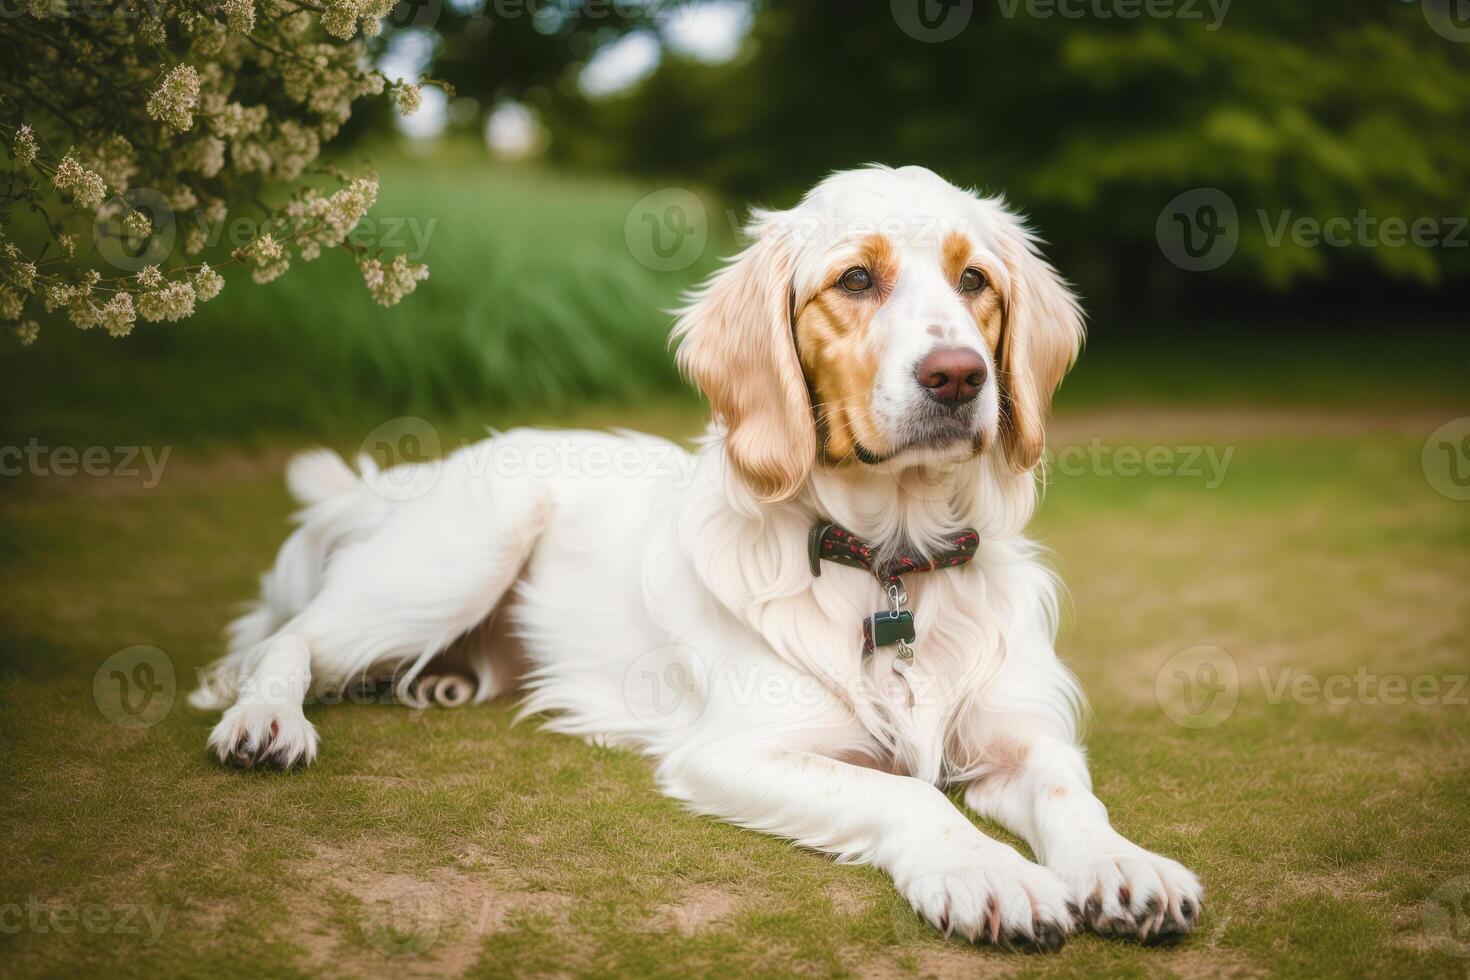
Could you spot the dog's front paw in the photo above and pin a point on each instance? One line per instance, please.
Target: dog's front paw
(269, 736)
(1131, 893)
(1010, 903)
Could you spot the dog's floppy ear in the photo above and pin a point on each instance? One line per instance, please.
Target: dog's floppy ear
(736, 344)
(1041, 336)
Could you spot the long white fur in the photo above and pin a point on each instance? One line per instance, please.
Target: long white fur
(666, 608)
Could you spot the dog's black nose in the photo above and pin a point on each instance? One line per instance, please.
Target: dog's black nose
(953, 374)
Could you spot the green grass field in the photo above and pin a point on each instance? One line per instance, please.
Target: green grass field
(1330, 833)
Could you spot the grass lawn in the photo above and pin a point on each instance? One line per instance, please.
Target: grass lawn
(1331, 836)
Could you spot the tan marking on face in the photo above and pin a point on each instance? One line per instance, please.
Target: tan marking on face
(955, 256)
(985, 306)
(839, 354)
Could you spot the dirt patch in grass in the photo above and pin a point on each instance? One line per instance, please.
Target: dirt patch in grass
(953, 959)
(698, 908)
(430, 923)
(847, 901)
(1213, 964)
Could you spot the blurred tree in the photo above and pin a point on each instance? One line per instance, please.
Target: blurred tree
(1090, 123)
(491, 50)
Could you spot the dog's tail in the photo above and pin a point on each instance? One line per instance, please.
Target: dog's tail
(316, 475)
(338, 506)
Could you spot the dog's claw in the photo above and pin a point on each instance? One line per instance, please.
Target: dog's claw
(1049, 937)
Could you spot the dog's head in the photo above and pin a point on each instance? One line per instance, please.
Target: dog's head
(889, 319)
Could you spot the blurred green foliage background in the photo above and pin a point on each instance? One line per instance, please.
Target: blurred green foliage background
(1087, 118)
(1090, 117)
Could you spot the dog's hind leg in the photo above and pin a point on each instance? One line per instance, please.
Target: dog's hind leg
(433, 570)
(338, 507)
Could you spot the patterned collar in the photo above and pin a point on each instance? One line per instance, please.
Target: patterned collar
(893, 626)
(842, 546)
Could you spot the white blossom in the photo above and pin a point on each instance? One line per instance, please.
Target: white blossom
(241, 15)
(114, 160)
(137, 224)
(174, 100)
(268, 259)
(408, 97)
(155, 31)
(207, 156)
(389, 284)
(207, 283)
(86, 187)
(117, 316)
(23, 147)
(19, 271)
(12, 304)
(174, 301)
(339, 19)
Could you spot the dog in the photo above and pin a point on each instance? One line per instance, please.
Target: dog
(816, 622)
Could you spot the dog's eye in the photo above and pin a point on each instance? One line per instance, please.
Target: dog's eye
(856, 279)
(972, 281)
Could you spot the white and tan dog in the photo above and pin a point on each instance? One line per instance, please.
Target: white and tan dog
(881, 358)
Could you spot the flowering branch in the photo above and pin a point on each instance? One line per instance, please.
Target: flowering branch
(122, 122)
